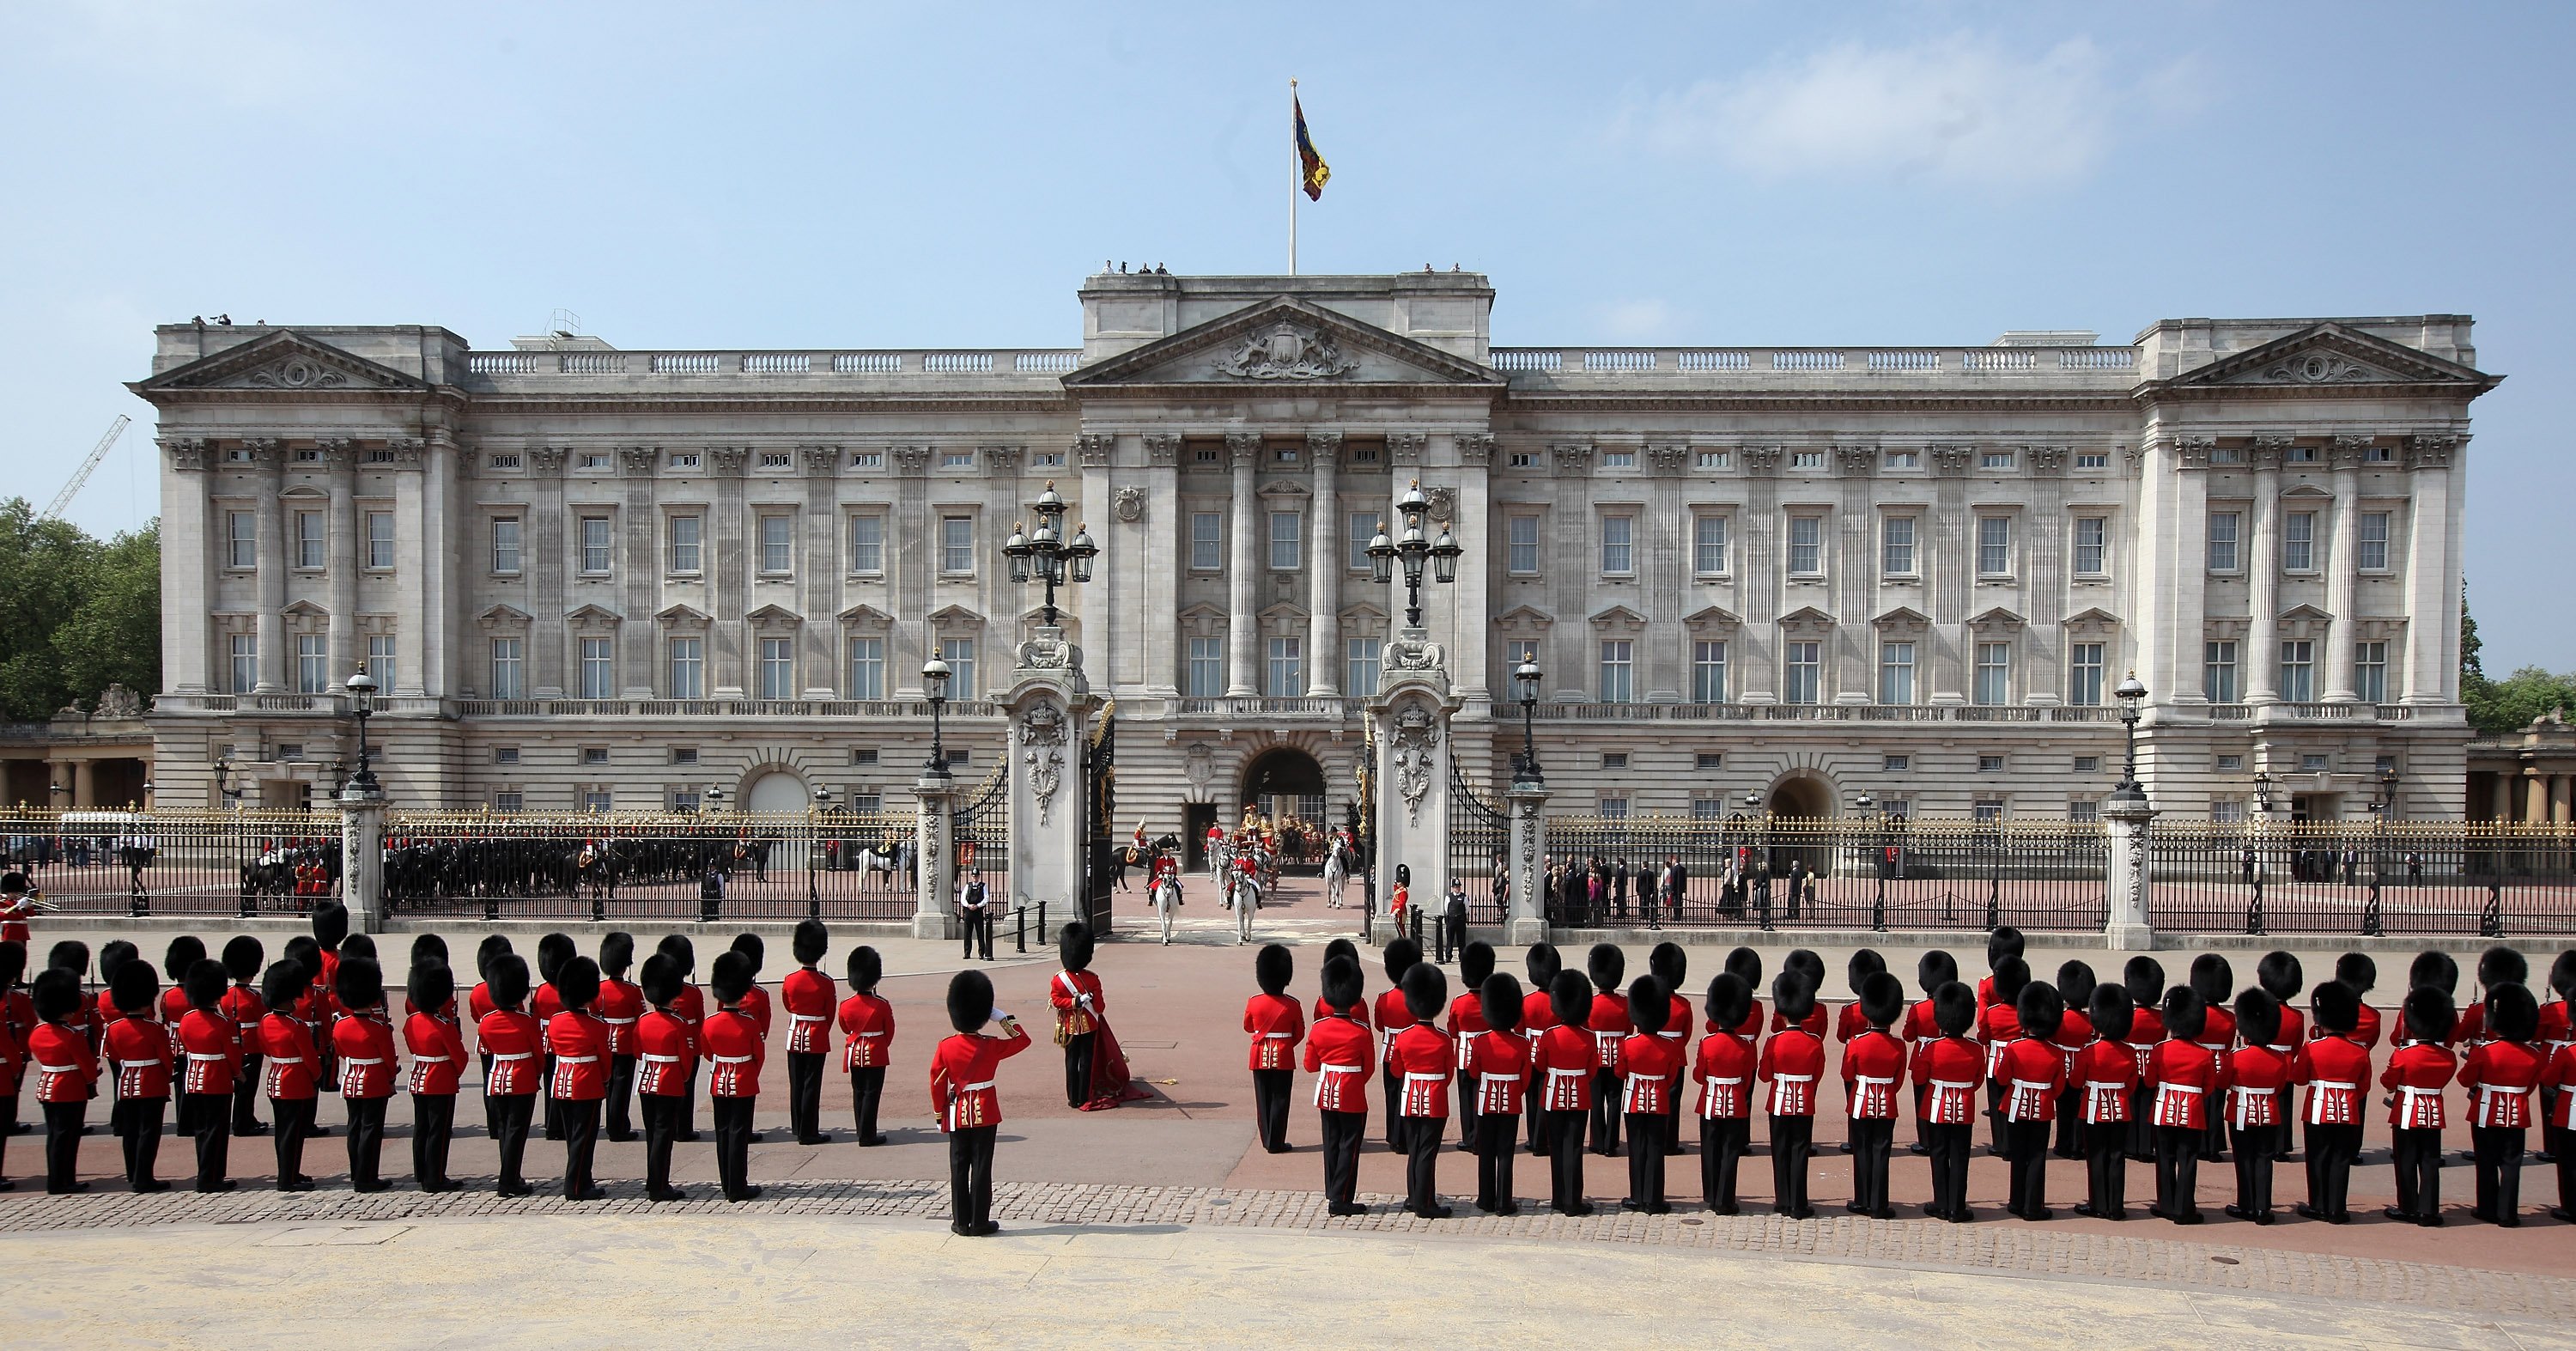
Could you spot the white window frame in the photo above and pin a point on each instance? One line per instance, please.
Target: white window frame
(598, 662)
(241, 540)
(2220, 671)
(1994, 547)
(380, 541)
(599, 556)
(1287, 541)
(867, 533)
(2226, 536)
(864, 665)
(1812, 548)
(2298, 670)
(1618, 672)
(1710, 543)
(2299, 541)
(2085, 667)
(1364, 527)
(1207, 541)
(956, 554)
(1618, 544)
(959, 653)
(1803, 672)
(685, 665)
(312, 663)
(2370, 672)
(1991, 686)
(1363, 666)
(684, 544)
(509, 546)
(242, 656)
(312, 541)
(1283, 672)
(775, 537)
(1708, 670)
(1521, 556)
(1203, 666)
(1896, 665)
(1899, 557)
(777, 668)
(509, 668)
(2371, 553)
(2092, 546)
(383, 660)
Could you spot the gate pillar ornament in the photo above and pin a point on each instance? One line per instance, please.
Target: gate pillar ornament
(1410, 717)
(1526, 920)
(1049, 703)
(934, 856)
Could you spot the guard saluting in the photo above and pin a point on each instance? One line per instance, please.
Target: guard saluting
(963, 1071)
(1338, 1052)
(367, 1066)
(1496, 1072)
(808, 997)
(1276, 1024)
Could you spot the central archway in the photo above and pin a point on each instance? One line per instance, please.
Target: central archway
(1801, 802)
(1282, 783)
(777, 791)
(1802, 797)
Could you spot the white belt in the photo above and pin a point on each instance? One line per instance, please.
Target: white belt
(627, 1022)
(2194, 1089)
(2101, 1092)
(1793, 1078)
(353, 1060)
(1498, 1078)
(1554, 1073)
(870, 1034)
(514, 1055)
(56, 1069)
(2211, 1045)
(652, 1059)
(1341, 1069)
(1954, 1084)
(2489, 1093)
(808, 1017)
(730, 1059)
(2244, 1102)
(975, 1088)
(560, 1060)
(1636, 1079)
(207, 1055)
(1411, 1077)
(1280, 1036)
(2407, 1096)
(1868, 1079)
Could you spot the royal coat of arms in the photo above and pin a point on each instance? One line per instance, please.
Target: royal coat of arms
(1285, 351)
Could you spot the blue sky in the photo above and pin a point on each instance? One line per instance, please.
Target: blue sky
(777, 175)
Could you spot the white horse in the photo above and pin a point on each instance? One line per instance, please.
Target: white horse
(1337, 874)
(874, 861)
(1242, 893)
(1167, 902)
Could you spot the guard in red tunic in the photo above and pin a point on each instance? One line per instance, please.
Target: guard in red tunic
(478, 1006)
(2105, 1077)
(1646, 1066)
(2032, 1071)
(2497, 965)
(1562, 1069)
(184, 952)
(73, 955)
(1607, 1020)
(368, 1067)
(1496, 1077)
(1934, 970)
(867, 1030)
(1339, 1050)
(138, 1054)
(666, 1060)
(1424, 1061)
(1803, 962)
(1537, 1016)
(620, 1005)
(808, 996)
(2214, 980)
(2335, 1067)
(691, 1005)
(1948, 1067)
(2558, 1083)
(731, 1039)
(66, 1074)
(1392, 1017)
(579, 1041)
(211, 1057)
(511, 1040)
(2075, 984)
(1850, 1022)
(2144, 978)
(963, 1071)
(1466, 1022)
(437, 1071)
(2281, 976)
(2418, 1070)
(1999, 1026)
(1725, 1067)
(294, 1067)
(553, 950)
(2356, 971)
(1076, 994)
(1276, 1024)
(2184, 1078)
(17, 1020)
(112, 957)
(17, 906)
(2258, 1078)
(1669, 964)
(2501, 1075)
(1792, 1061)
(1873, 1077)
(755, 1001)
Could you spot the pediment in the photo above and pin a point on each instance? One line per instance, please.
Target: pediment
(1619, 617)
(2333, 356)
(305, 609)
(865, 616)
(1806, 617)
(1903, 619)
(681, 614)
(1363, 613)
(1524, 619)
(1996, 618)
(1283, 343)
(2308, 613)
(283, 362)
(2092, 621)
(955, 617)
(592, 614)
(774, 616)
(503, 617)
(1710, 618)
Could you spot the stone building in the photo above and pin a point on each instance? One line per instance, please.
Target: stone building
(606, 579)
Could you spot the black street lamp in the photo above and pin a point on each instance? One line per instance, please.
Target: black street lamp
(1414, 548)
(232, 805)
(1047, 554)
(362, 702)
(1525, 685)
(934, 684)
(2131, 694)
(1877, 821)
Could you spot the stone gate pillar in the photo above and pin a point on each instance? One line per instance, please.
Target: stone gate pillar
(2125, 815)
(362, 855)
(1411, 713)
(934, 855)
(1049, 704)
(1527, 922)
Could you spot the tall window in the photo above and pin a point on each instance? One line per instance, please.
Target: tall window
(1708, 671)
(2218, 672)
(1521, 555)
(380, 661)
(1286, 676)
(505, 544)
(2084, 673)
(2298, 670)
(310, 543)
(508, 666)
(1806, 546)
(1618, 545)
(1994, 673)
(1516, 652)
(867, 544)
(312, 664)
(777, 543)
(2092, 545)
(2370, 672)
(867, 669)
(1708, 545)
(1205, 676)
(959, 653)
(1896, 546)
(1618, 671)
(688, 668)
(1806, 682)
(1287, 541)
(1207, 541)
(1360, 665)
(380, 539)
(2374, 541)
(2222, 540)
(777, 668)
(685, 532)
(957, 544)
(241, 539)
(1364, 527)
(598, 668)
(1994, 546)
(597, 554)
(2299, 541)
(245, 662)
(1896, 673)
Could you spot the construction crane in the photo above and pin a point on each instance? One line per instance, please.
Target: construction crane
(80, 476)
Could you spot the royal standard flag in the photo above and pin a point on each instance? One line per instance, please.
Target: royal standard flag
(1313, 172)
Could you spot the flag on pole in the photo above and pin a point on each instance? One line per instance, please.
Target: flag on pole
(1313, 173)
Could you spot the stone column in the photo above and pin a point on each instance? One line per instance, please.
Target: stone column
(362, 856)
(269, 512)
(729, 565)
(1527, 922)
(1048, 703)
(818, 576)
(1111, 628)
(2535, 799)
(343, 555)
(1243, 570)
(912, 570)
(2263, 576)
(2433, 525)
(2125, 817)
(1468, 660)
(2500, 804)
(934, 796)
(1411, 712)
(1160, 561)
(639, 573)
(1324, 569)
(189, 566)
(2559, 804)
(545, 562)
(2343, 672)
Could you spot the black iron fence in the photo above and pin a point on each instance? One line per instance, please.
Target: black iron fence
(1480, 839)
(979, 829)
(100, 862)
(2362, 878)
(833, 864)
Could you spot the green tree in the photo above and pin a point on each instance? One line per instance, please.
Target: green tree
(76, 613)
(2502, 706)
(114, 637)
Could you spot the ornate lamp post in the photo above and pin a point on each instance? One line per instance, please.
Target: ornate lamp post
(714, 798)
(1047, 555)
(934, 685)
(362, 703)
(1413, 548)
(1878, 861)
(2132, 693)
(1525, 686)
(2254, 862)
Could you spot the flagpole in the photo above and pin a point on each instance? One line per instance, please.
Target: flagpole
(1293, 177)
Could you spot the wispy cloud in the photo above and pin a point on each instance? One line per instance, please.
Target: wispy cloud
(1637, 320)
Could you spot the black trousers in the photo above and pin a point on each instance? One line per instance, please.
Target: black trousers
(433, 1128)
(183, 1119)
(1422, 1139)
(1497, 1140)
(64, 1122)
(2142, 1127)
(291, 1125)
(1343, 1132)
(1673, 1116)
(1793, 1140)
(867, 1088)
(1565, 1155)
(1537, 1121)
(733, 1145)
(1453, 936)
(1464, 1109)
(1872, 1140)
(2331, 1151)
(2070, 1122)
(138, 1128)
(2418, 1157)
(2563, 1152)
(620, 1123)
(662, 1115)
(2026, 1145)
(1949, 1145)
(1270, 1090)
(1395, 1123)
(1722, 1144)
(805, 1096)
(2213, 1140)
(1077, 1069)
(2178, 1171)
(366, 1140)
(1646, 1161)
(688, 1109)
(510, 1117)
(2257, 1149)
(1605, 1112)
(580, 1118)
(978, 929)
(970, 1175)
(2106, 1169)
(2499, 1167)
(246, 1096)
(211, 1115)
(554, 1105)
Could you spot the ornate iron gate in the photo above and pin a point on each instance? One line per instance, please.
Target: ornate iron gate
(1367, 827)
(1480, 841)
(1100, 817)
(980, 832)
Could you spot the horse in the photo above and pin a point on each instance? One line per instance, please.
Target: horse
(1337, 874)
(1167, 901)
(878, 860)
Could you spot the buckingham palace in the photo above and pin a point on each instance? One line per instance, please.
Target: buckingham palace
(595, 579)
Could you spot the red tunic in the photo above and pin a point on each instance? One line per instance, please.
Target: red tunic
(2032, 1072)
(1873, 1070)
(1497, 1072)
(2560, 1074)
(1948, 1069)
(691, 1005)
(2554, 1035)
(437, 1055)
(1338, 1053)
(213, 1049)
(755, 1006)
(1537, 1014)
(512, 1039)
(293, 1064)
(243, 1008)
(1918, 1024)
(1466, 1022)
(807, 995)
(1561, 1069)
(2104, 1072)
(1276, 1024)
(2336, 1070)
(666, 1053)
(478, 1003)
(1424, 1061)
(545, 1004)
(2146, 1028)
(579, 1041)
(1609, 1024)
(2257, 1079)
(963, 1070)
(1997, 1027)
(2294, 1030)
(1077, 998)
(174, 1006)
(2500, 1077)
(1724, 1068)
(368, 1066)
(1792, 1061)
(2218, 1033)
(619, 1004)
(66, 1069)
(2417, 1073)
(2365, 1027)
(734, 1053)
(2184, 1076)
(138, 1049)
(1849, 1023)
(1813, 1024)
(1392, 1018)
(2074, 1033)
(1647, 1065)
(867, 1028)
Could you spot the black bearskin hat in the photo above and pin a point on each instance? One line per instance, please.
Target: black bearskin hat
(506, 984)
(2562, 974)
(1650, 1005)
(1404, 874)
(116, 953)
(2075, 985)
(429, 948)
(1669, 964)
(2281, 976)
(1542, 963)
(2144, 979)
(1342, 987)
(2185, 1014)
(1882, 999)
(2357, 970)
(749, 945)
(2212, 979)
(204, 984)
(970, 999)
(133, 988)
(2041, 1010)
(1273, 967)
(432, 985)
(2430, 1014)
(1729, 1000)
(553, 951)
(731, 977)
(2011, 975)
(1426, 992)
(491, 949)
(661, 980)
(866, 969)
(2258, 1018)
(1806, 963)
(358, 945)
(2004, 941)
(1954, 1009)
(13, 964)
(185, 951)
(810, 942)
(1500, 1000)
(2512, 1014)
(1571, 998)
(1475, 962)
(1793, 996)
(330, 925)
(1607, 965)
(2435, 969)
(577, 982)
(616, 952)
(1073, 947)
(1745, 965)
(58, 993)
(2496, 966)
(1935, 969)
(360, 983)
(1399, 956)
(13, 881)
(682, 952)
(283, 983)
(1864, 963)
(2112, 1013)
(1343, 948)
(2335, 1006)
(305, 951)
(69, 955)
